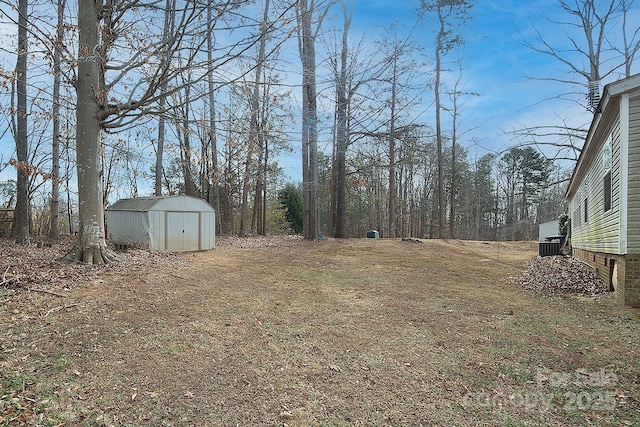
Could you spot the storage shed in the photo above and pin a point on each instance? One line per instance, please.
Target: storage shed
(173, 223)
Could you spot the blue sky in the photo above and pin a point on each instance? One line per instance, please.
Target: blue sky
(497, 63)
(496, 66)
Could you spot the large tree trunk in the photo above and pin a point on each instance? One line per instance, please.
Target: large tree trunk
(452, 200)
(214, 197)
(185, 145)
(392, 153)
(256, 215)
(22, 212)
(54, 232)
(306, 45)
(265, 175)
(91, 246)
(214, 174)
(264, 144)
(159, 153)
(438, 106)
(260, 200)
(342, 135)
(254, 125)
(167, 31)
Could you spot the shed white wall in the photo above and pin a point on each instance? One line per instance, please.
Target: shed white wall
(157, 238)
(152, 229)
(208, 230)
(126, 227)
(168, 239)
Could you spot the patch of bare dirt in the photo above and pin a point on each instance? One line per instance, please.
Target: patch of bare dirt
(561, 275)
(258, 241)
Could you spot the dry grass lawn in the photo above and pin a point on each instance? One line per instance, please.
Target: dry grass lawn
(331, 333)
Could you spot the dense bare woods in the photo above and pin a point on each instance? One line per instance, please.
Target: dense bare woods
(202, 98)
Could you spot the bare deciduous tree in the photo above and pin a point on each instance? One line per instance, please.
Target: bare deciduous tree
(586, 30)
(212, 157)
(54, 232)
(310, 15)
(254, 123)
(339, 213)
(169, 23)
(22, 211)
(630, 38)
(449, 14)
(101, 107)
(592, 54)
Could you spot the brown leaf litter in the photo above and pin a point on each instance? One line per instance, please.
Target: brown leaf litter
(561, 275)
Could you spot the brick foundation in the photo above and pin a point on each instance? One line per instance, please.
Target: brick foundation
(620, 272)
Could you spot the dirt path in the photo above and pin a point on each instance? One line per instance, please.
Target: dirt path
(357, 332)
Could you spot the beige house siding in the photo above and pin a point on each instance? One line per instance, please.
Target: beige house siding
(610, 241)
(601, 231)
(633, 206)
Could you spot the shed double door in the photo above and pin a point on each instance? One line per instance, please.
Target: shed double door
(182, 231)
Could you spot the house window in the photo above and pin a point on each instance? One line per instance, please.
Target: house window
(586, 210)
(607, 191)
(576, 217)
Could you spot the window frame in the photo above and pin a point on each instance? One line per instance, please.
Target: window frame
(586, 210)
(607, 191)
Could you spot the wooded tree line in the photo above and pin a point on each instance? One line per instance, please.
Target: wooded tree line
(198, 98)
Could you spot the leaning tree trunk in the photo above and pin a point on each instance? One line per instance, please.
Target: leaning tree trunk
(91, 246)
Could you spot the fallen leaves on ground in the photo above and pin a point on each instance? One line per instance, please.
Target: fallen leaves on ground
(561, 275)
(36, 266)
(40, 268)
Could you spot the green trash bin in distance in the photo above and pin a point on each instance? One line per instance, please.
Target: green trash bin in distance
(373, 234)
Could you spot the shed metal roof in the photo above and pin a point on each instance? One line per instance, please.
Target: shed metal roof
(140, 204)
(145, 204)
